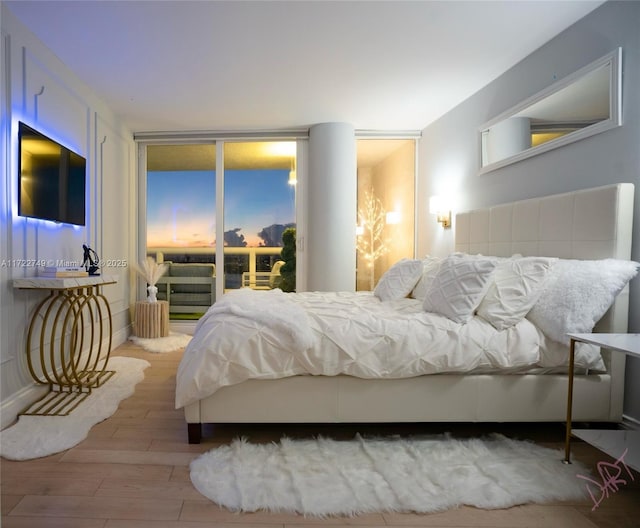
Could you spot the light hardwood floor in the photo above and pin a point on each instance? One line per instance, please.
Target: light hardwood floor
(133, 472)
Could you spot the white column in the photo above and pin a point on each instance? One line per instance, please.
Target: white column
(331, 208)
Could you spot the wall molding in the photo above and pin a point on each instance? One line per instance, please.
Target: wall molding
(18, 402)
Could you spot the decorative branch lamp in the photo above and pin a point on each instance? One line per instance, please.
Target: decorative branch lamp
(370, 243)
(440, 207)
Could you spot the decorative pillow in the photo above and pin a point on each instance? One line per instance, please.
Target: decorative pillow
(459, 286)
(398, 281)
(516, 287)
(578, 294)
(430, 267)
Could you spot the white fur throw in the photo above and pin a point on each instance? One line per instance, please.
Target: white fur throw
(578, 294)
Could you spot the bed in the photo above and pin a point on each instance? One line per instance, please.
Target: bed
(586, 225)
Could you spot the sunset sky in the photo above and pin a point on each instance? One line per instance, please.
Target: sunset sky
(181, 205)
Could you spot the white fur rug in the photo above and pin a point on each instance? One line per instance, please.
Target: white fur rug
(39, 436)
(324, 477)
(160, 345)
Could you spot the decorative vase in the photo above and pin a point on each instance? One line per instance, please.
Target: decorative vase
(152, 290)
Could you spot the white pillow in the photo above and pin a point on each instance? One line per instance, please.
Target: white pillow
(516, 287)
(578, 294)
(398, 281)
(459, 286)
(430, 267)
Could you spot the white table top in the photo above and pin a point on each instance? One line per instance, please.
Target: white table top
(615, 443)
(626, 343)
(63, 283)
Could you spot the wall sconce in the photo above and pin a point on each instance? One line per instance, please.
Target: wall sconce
(393, 217)
(441, 208)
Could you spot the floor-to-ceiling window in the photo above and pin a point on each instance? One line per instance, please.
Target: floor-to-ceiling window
(386, 206)
(259, 206)
(181, 202)
(230, 204)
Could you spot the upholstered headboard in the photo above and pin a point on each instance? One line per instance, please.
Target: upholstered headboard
(588, 224)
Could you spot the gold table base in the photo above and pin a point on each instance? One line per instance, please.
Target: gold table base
(61, 401)
(70, 326)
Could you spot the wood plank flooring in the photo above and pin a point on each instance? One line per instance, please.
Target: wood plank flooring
(133, 472)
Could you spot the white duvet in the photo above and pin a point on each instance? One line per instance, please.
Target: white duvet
(270, 334)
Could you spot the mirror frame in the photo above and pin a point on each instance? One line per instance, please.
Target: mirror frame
(614, 60)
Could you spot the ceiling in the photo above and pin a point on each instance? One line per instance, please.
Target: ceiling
(268, 65)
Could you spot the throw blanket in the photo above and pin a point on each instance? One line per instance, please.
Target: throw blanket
(269, 334)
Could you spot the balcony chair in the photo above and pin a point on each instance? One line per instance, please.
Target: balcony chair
(189, 288)
(263, 280)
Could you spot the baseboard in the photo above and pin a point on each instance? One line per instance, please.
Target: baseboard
(630, 423)
(18, 402)
(121, 336)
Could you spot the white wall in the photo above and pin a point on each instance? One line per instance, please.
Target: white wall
(450, 148)
(39, 90)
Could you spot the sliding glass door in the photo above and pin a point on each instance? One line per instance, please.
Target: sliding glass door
(181, 203)
(181, 224)
(241, 195)
(259, 207)
(386, 212)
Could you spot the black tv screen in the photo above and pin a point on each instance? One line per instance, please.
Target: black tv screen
(52, 179)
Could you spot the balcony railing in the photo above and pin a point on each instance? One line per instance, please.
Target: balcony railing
(250, 261)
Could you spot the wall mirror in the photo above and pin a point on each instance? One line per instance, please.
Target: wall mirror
(582, 104)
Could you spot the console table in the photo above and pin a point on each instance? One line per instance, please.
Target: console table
(613, 442)
(66, 339)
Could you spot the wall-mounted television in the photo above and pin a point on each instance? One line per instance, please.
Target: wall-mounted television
(52, 179)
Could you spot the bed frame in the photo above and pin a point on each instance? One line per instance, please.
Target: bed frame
(588, 224)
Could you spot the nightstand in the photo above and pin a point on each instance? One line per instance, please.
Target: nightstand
(613, 442)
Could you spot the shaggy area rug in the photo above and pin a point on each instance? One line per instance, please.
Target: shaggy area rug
(39, 436)
(160, 345)
(323, 477)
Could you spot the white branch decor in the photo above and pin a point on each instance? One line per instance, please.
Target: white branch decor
(151, 271)
(370, 243)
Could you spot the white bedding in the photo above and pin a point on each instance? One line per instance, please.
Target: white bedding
(269, 334)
